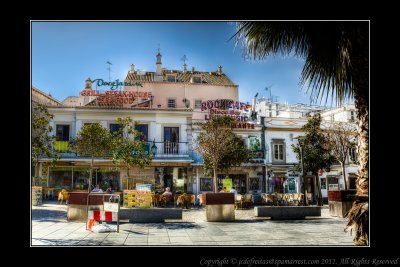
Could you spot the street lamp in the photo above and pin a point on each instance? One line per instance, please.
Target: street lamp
(299, 138)
(154, 148)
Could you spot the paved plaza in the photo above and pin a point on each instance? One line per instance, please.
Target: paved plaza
(50, 227)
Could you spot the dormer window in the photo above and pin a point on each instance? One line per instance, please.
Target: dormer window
(196, 79)
(171, 78)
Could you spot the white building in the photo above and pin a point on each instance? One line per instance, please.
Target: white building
(283, 125)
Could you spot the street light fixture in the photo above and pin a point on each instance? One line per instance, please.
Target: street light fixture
(154, 148)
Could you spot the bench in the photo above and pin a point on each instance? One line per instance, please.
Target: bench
(287, 213)
(149, 215)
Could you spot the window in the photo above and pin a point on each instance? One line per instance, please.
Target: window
(114, 128)
(278, 151)
(353, 154)
(62, 132)
(143, 131)
(352, 117)
(197, 104)
(352, 182)
(196, 79)
(171, 78)
(255, 183)
(171, 140)
(171, 103)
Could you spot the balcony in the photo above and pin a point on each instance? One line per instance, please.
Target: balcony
(169, 149)
(160, 150)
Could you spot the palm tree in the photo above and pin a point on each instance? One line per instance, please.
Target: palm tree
(337, 66)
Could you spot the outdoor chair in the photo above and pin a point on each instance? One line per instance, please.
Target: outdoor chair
(248, 200)
(200, 200)
(239, 199)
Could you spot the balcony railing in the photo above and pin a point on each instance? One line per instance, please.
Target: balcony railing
(160, 149)
(169, 149)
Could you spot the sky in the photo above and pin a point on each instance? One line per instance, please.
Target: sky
(65, 54)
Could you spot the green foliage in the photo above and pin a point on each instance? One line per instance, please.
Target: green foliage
(129, 147)
(41, 137)
(334, 52)
(315, 153)
(220, 147)
(92, 140)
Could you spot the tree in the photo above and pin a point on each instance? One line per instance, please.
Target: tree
(340, 138)
(129, 145)
(337, 65)
(316, 155)
(220, 147)
(41, 136)
(92, 140)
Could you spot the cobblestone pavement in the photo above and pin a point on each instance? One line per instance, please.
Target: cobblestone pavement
(50, 227)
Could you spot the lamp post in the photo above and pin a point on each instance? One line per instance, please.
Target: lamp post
(299, 138)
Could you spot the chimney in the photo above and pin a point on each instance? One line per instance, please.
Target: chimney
(219, 70)
(158, 77)
(158, 63)
(88, 85)
(184, 68)
(132, 68)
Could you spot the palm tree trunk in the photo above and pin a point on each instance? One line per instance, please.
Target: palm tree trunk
(358, 214)
(344, 175)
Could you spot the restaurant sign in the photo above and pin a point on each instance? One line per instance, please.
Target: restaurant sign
(115, 84)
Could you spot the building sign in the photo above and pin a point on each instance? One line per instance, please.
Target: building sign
(227, 183)
(226, 107)
(255, 143)
(257, 154)
(121, 97)
(115, 84)
(224, 104)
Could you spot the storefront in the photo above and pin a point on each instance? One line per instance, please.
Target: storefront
(160, 177)
(77, 178)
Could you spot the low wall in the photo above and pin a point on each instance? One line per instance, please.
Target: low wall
(340, 202)
(287, 213)
(220, 207)
(79, 212)
(149, 215)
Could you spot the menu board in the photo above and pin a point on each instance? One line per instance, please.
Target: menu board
(143, 199)
(143, 187)
(37, 195)
(129, 198)
(227, 183)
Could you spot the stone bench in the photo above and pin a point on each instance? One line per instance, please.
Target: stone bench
(149, 215)
(287, 213)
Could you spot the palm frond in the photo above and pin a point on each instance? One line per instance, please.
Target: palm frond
(358, 221)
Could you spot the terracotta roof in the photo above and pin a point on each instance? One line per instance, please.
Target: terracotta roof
(212, 78)
(43, 98)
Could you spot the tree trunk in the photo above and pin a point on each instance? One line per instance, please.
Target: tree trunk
(90, 176)
(358, 215)
(318, 189)
(215, 180)
(36, 177)
(344, 175)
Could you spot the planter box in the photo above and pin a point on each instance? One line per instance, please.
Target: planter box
(220, 207)
(287, 213)
(149, 215)
(340, 202)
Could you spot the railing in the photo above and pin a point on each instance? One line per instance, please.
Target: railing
(167, 148)
(158, 149)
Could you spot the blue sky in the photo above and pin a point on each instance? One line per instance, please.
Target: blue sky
(64, 54)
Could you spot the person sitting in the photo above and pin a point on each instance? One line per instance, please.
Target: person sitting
(222, 190)
(233, 190)
(167, 191)
(97, 189)
(110, 190)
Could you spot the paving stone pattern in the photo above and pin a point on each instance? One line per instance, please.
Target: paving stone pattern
(50, 228)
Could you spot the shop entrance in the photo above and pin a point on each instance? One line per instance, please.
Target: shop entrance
(239, 182)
